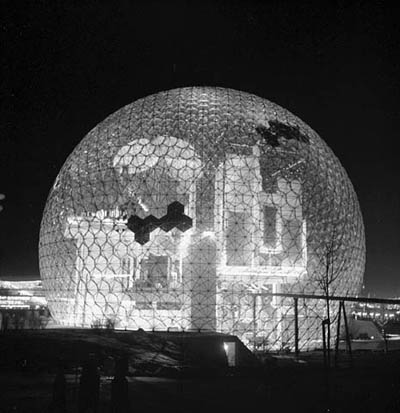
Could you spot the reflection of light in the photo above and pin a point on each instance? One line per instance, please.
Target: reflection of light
(184, 244)
(110, 275)
(143, 205)
(226, 347)
(288, 167)
(24, 292)
(209, 234)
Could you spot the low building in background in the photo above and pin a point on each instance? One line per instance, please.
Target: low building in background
(376, 311)
(22, 304)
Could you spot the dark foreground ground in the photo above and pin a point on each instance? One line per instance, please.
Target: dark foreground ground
(174, 376)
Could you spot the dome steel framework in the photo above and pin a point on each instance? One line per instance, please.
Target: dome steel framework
(176, 209)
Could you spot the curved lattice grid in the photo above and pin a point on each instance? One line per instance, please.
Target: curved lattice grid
(176, 209)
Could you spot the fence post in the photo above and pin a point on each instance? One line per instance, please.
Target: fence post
(338, 334)
(254, 322)
(346, 326)
(296, 326)
(324, 343)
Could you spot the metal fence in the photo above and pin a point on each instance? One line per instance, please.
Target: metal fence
(300, 322)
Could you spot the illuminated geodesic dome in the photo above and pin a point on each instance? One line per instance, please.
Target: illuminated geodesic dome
(175, 210)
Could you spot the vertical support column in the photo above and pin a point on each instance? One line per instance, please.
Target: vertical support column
(324, 344)
(254, 321)
(278, 324)
(200, 266)
(338, 334)
(348, 341)
(296, 326)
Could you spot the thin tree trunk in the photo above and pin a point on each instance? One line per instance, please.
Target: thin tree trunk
(328, 336)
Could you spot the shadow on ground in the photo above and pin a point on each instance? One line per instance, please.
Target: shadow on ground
(189, 373)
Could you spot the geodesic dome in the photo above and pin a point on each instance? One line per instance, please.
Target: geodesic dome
(177, 209)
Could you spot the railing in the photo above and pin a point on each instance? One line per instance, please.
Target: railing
(300, 322)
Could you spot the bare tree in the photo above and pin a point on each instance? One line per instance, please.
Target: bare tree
(331, 265)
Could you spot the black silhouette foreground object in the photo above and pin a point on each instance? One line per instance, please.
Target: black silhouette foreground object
(278, 130)
(89, 387)
(175, 218)
(119, 388)
(58, 403)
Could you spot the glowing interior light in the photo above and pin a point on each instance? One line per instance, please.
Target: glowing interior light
(177, 209)
(208, 234)
(185, 243)
(143, 205)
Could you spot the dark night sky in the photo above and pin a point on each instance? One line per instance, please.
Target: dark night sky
(67, 66)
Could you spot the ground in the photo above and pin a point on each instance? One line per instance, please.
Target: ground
(161, 379)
